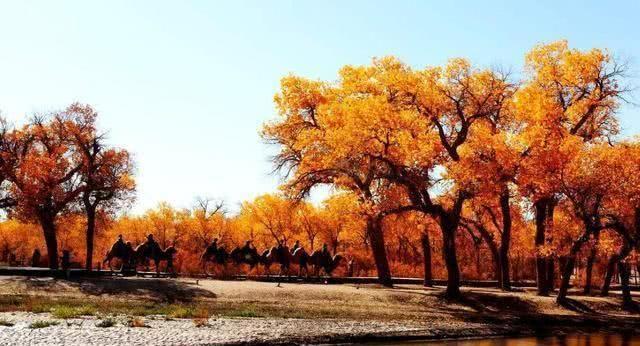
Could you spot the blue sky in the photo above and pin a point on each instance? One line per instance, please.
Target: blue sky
(186, 85)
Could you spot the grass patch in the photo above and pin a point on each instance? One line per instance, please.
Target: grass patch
(5, 323)
(189, 312)
(42, 324)
(65, 311)
(106, 323)
(69, 307)
(244, 313)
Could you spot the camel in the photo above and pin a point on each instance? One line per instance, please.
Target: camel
(245, 255)
(212, 257)
(123, 252)
(143, 253)
(301, 258)
(324, 261)
(275, 255)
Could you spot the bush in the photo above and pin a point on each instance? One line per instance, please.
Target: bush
(5, 323)
(42, 324)
(106, 323)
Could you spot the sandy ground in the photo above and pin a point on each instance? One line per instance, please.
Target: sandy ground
(83, 331)
(297, 313)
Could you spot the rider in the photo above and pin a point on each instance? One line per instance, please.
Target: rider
(296, 246)
(118, 244)
(326, 255)
(151, 244)
(280, 248)
(35, 258)
(248, 251)
(283, 253)
(213, 247)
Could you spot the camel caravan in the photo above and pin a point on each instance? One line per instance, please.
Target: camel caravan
(319, 260)
(124, 257)
(129, 258)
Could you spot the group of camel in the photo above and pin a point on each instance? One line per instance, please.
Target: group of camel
(130, 258)
(318, 260)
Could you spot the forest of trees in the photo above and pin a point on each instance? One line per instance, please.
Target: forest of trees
(444, 172)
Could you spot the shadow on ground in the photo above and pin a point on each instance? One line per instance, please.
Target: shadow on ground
(161, 290)
(576, 306)
(157, 289)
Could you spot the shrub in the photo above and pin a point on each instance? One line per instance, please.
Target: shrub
(106, 323)
(5, 323)
(42, 324)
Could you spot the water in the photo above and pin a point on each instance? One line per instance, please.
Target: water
(596, 339)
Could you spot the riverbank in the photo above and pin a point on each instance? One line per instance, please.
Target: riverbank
(167, 311)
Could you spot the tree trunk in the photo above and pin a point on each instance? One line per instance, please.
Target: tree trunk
(47, 222)
(505, 241)
(590, 261)
(551, 273)
(611, 267)
(376, 236)
(491, 244)
(567, 271)
(478, 267)
(91, 229)
(426, 252)
(627, 301)
(449, 229)
(541, 260)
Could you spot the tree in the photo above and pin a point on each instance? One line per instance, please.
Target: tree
(385, 130)
(622, 210)
(586, 187)
(570, 98)
(319, 126)
(451, 102)
(342, 220)
(488, 167)
(107, 173)
(209, 215)
(44, 176)
(273, 217)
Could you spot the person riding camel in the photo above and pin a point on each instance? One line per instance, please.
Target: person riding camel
(326, 255)
(152, 245)
(296, 246)
(247, 250)
(35, 258)
(213, 247)
(283, 252)
(118, 245)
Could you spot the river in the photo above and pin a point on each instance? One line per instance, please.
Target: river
(595, 339)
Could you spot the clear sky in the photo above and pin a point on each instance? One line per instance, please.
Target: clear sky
(186, 85)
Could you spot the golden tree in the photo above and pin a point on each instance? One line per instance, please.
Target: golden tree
(569, 99)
